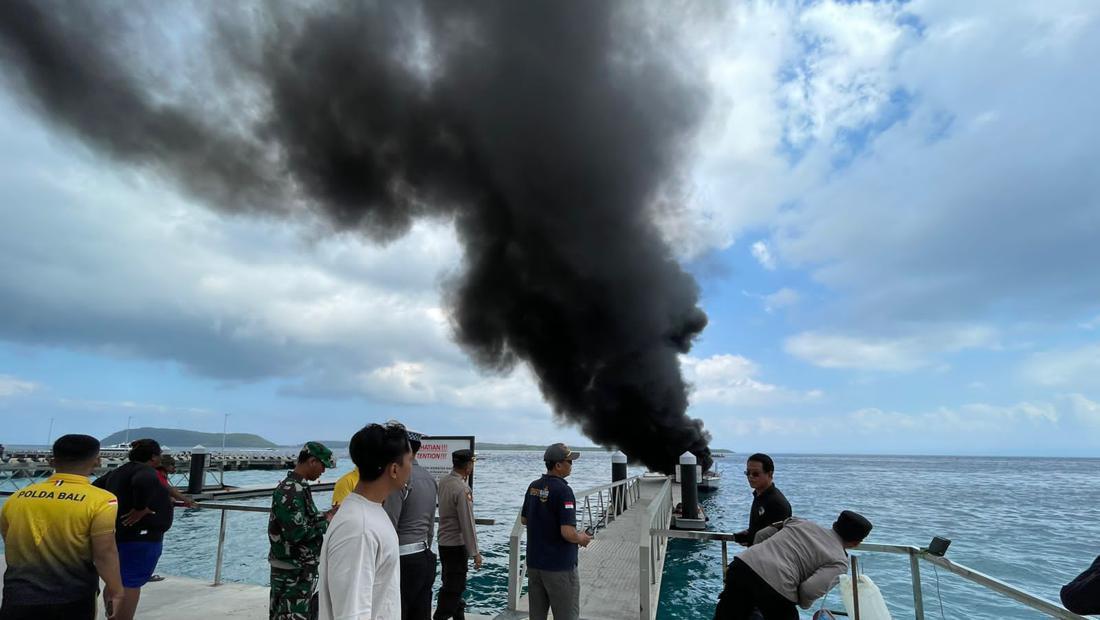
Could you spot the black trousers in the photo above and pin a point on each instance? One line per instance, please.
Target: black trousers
(455, 566)
(84, 609)
(417, 577)
(745, 591)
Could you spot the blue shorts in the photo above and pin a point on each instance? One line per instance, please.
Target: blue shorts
(137, 561)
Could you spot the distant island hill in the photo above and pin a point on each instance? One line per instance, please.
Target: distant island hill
(184, 438)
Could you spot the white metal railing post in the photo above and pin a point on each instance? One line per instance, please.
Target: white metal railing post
(514, 573)
(914, 573)
(221, 549)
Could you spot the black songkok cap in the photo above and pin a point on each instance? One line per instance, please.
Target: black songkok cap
(852, 526)
(459, 458)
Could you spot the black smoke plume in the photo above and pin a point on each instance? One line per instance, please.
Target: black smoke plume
(545, 130)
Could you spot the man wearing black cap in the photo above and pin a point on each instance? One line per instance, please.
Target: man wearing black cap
(793, 562)
(549, 512)
(412, 511)
(457, 536)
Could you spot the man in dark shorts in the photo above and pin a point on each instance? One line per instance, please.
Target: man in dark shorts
(59, 540)
(549, 512)
(144, 515)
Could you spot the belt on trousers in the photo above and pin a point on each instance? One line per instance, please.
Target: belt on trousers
(415, 547)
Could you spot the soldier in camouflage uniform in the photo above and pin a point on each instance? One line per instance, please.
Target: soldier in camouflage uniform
(296, 529)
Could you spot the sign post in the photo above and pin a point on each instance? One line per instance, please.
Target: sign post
(435, 453)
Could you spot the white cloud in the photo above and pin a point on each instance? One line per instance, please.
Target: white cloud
(1091, 324)
(845, 78)
(763, 255)
(458, 386)
(891, 150)
(783, 298)
(1087, 411)
(898, 353)
(1075, 368)
(130, 406)
(969, 418)
(732, 380)
(226, 297)
(12, 386)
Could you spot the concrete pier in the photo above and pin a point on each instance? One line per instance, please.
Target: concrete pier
(179, 598)
(610, 568)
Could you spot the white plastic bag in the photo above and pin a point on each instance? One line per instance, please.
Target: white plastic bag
(871, 604)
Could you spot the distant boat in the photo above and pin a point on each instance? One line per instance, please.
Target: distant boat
(120, 446)
(710, 482)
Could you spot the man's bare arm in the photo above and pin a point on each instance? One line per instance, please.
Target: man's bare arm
(105, 556)
(570, 534)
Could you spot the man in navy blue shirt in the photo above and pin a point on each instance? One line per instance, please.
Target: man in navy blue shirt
(550, 514)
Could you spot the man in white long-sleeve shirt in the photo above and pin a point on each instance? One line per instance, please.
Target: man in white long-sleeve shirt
(792, 562)
(360, 575)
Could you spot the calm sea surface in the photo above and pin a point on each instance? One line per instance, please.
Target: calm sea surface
(1034, 523)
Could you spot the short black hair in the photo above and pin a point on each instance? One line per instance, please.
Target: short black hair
(374, 447)
(73, 449)
(764, 460)
(143, 450)
(304, 456)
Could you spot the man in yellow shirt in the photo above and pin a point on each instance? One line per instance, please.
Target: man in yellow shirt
(344, 486)
(59, 539)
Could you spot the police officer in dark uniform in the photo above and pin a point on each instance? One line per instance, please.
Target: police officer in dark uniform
(413, 514)
(550, 514)
(768, 503)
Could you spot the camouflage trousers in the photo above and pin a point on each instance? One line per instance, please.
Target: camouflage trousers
(292, 594)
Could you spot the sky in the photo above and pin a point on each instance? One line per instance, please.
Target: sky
(893, 215)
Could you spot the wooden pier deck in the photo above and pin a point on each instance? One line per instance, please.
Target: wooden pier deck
(609, 567)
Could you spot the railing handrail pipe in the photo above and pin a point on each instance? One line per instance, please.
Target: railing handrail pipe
(915, 554)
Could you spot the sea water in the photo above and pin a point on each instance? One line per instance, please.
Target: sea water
(1032, 522)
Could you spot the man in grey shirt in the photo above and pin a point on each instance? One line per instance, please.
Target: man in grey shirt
(413, 514)
(457, 536)
(792, 562)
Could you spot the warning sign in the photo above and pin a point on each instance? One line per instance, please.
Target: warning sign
(435, 453)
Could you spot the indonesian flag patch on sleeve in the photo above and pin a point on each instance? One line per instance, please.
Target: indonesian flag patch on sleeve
(569, 505)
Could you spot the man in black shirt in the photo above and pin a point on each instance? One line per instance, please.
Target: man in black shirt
(550, 514)
(144, 515)
(768, 503)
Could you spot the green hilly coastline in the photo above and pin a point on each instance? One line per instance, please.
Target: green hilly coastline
(183, 438)
(339, 444)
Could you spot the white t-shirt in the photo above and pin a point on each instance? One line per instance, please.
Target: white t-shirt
(360, 571)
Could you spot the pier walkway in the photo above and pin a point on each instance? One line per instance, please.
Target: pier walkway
(178, 598)
(620, 570)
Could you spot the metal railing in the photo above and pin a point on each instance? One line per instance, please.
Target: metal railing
(915, 554)
(600, 505)
(651, 549)
(227, 508)
(15, 476)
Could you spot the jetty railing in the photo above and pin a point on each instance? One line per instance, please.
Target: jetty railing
(599, 505)
(16, 474)
(651, 548)
(227, 508)
(916, 555)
